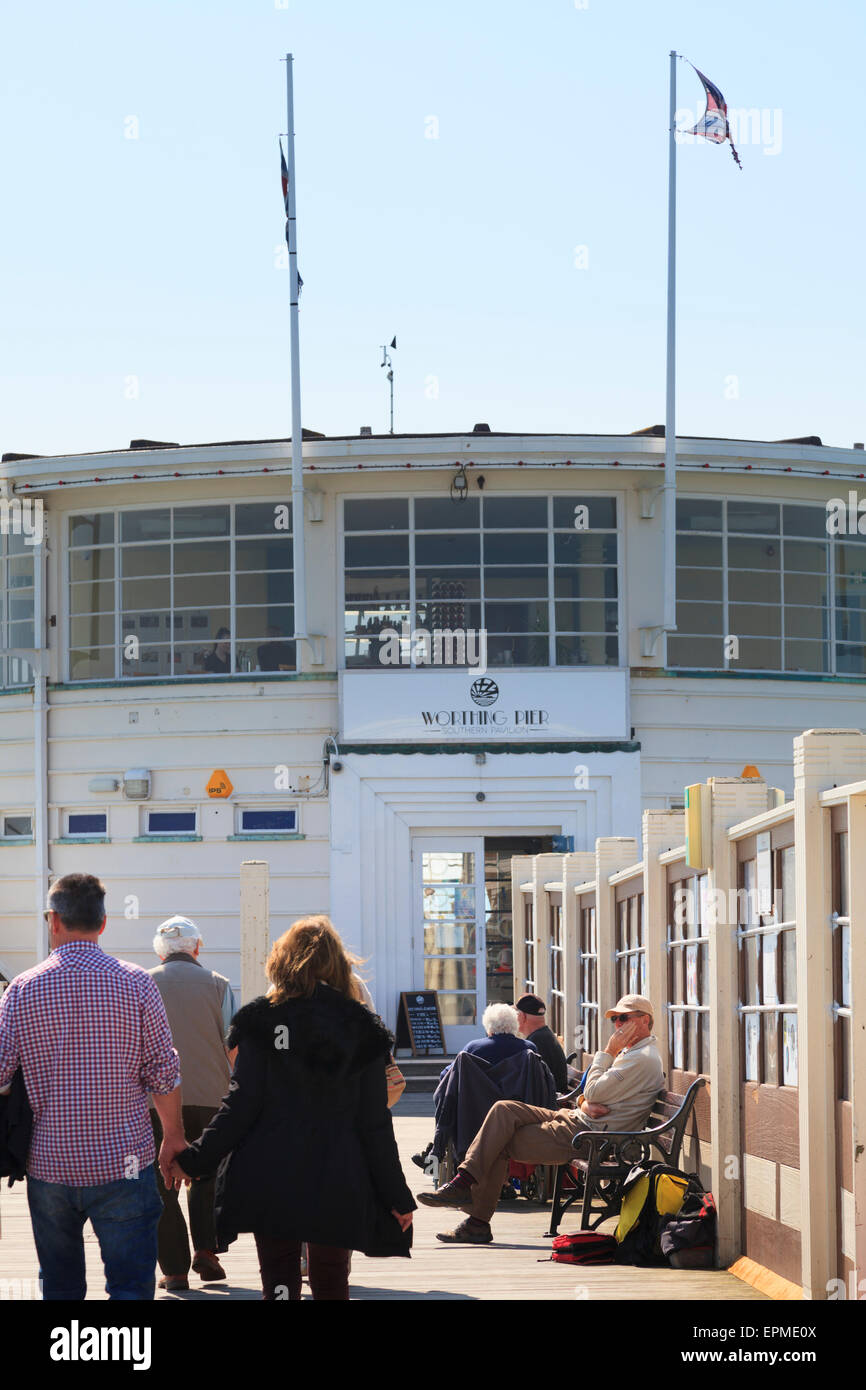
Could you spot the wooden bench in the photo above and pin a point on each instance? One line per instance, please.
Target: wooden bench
(607, 1158)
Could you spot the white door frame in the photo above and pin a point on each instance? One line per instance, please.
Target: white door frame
(456, 1036)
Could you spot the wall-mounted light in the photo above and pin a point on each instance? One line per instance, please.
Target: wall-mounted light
(136, 784)
(459, 485)
(103, 784)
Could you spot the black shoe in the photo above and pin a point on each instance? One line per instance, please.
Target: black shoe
(467, 1234)
(453, 1194)
(421, 1158)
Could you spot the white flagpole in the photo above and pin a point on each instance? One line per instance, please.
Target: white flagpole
(670, 485)
(300, 572)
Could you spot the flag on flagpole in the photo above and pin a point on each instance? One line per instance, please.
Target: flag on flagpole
(284, 175)
(713, 125)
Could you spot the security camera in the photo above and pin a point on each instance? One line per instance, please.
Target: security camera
(337, 766)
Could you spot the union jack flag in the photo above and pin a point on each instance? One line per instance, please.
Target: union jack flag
(713, 124)
(284, 175)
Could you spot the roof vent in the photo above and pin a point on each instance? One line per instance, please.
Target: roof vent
(151, 444)
(17, 458)
(856, 446)
(366, 431)
(481, 429)
(650, 432)
(804, 439)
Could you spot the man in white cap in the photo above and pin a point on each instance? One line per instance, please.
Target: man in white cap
(623, 1081)
(200, 1006)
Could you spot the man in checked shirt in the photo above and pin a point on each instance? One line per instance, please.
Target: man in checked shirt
(91, 1036)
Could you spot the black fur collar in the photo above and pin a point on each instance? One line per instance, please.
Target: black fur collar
(327, 1034)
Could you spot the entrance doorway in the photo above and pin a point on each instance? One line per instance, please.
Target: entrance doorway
(463, 924)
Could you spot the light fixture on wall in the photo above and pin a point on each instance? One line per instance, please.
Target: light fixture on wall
(459, 485)
(136, 784)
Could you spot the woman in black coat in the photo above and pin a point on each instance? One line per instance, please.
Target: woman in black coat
(304, 1140)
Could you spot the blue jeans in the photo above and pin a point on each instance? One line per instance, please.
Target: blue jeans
(124, 1215)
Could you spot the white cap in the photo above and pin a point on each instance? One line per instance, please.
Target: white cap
(176, 934)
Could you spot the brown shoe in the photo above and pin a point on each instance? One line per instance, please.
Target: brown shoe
(173, 1283)
(453, 1194)
(467, 1234)
(208, 1266)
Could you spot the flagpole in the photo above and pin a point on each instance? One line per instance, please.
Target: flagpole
(670, 484)
(300, 572)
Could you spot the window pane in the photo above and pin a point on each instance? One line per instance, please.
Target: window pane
(449, 973)
(512, 548)
(272, 621)
(378, 514)
(752, 1032)
(190, 522)
(268, 820)
(808, 623)
(702, 618)
(586, 651)
(850, 560)
(152, 660)
(698, 653)
(769, 988)
(89, 564)
(851, 661)
(754, 555)
(850, 625)
(276, 655)
(372, 585)
(799, 555)
(263, 518)
(515, 511)
(698, 515)
(755, 517)
(804, 521)
(453, 902)
(699, 552)
(92, 530)
(602, 512)
(443, 549)
(15, 826)
(770, 1030)
(585, 583)
(276, 554)
(149, 625)
(164, 822)
(755, 619)
(692, 1062)
(750, 970)
(201, 590)
(789, 967)
(457, 1010)
(275, 587)
(700, 585)
(92, 598)
(516, 617)
(366, 551)
(788, 904)
(145, 526)
(584, 548)
(92, 631)
(517, 651)
(94, 824)
(511, 583)
(810, 589)
(441, 514)
(448, 585)
(587, 617)
(96, 664)
(807, 656)
(136, 560)
(206, 557)
(449, 938)
(759, 654)
(751, 586)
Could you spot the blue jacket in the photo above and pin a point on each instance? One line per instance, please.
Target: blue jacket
(472, 1086)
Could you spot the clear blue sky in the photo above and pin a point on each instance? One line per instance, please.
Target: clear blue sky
(154, 257)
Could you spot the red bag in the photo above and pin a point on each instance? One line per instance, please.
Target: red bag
(584, 1248)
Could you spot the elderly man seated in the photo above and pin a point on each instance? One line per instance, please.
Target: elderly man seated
(623, 1081)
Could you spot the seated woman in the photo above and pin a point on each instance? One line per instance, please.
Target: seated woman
(304, 1137)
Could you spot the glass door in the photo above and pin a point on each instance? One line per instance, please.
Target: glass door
(449, 931)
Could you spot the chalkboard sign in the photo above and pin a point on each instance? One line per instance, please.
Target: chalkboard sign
(419, 1022)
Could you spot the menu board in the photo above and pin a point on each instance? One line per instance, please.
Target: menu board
(419, 1023)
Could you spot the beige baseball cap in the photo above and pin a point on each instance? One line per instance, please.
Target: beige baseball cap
(631, 1004)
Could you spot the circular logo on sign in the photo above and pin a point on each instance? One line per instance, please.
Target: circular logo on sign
(419, 998)
(484, 691)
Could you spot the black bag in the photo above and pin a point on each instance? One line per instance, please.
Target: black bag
(689, 1238)
(642, 1243)
(16, 1129)
(584, 1248)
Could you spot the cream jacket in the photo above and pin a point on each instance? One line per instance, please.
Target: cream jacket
(628, 1084)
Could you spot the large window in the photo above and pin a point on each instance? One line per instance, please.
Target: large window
(16, 606)
(181, 591)
(768, 966)
(544, 589)
(631, 940)
(687, 945)
(770, 577)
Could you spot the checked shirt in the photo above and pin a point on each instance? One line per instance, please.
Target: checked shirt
(92, 1038)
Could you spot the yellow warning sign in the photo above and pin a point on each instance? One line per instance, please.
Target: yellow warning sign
(219, 784)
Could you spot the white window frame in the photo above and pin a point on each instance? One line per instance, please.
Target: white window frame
(13, 839)
(69, 834)
(241, 811)
(148, 811)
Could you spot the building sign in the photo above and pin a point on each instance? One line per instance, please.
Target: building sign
(514, 706)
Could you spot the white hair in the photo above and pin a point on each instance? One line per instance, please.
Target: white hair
(500, 1018)
(182, 945)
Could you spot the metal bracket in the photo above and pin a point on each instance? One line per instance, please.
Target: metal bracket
(648, 499)
(315, 504)
(317, 646)
(649, 639)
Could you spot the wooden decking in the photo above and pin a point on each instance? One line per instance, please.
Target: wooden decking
(508, 1269)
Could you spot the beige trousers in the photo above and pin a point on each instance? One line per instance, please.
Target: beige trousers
(512, 1129)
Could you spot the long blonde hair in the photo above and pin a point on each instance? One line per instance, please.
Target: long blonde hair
(309, 953)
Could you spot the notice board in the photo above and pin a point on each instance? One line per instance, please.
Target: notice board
(419, 1022)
